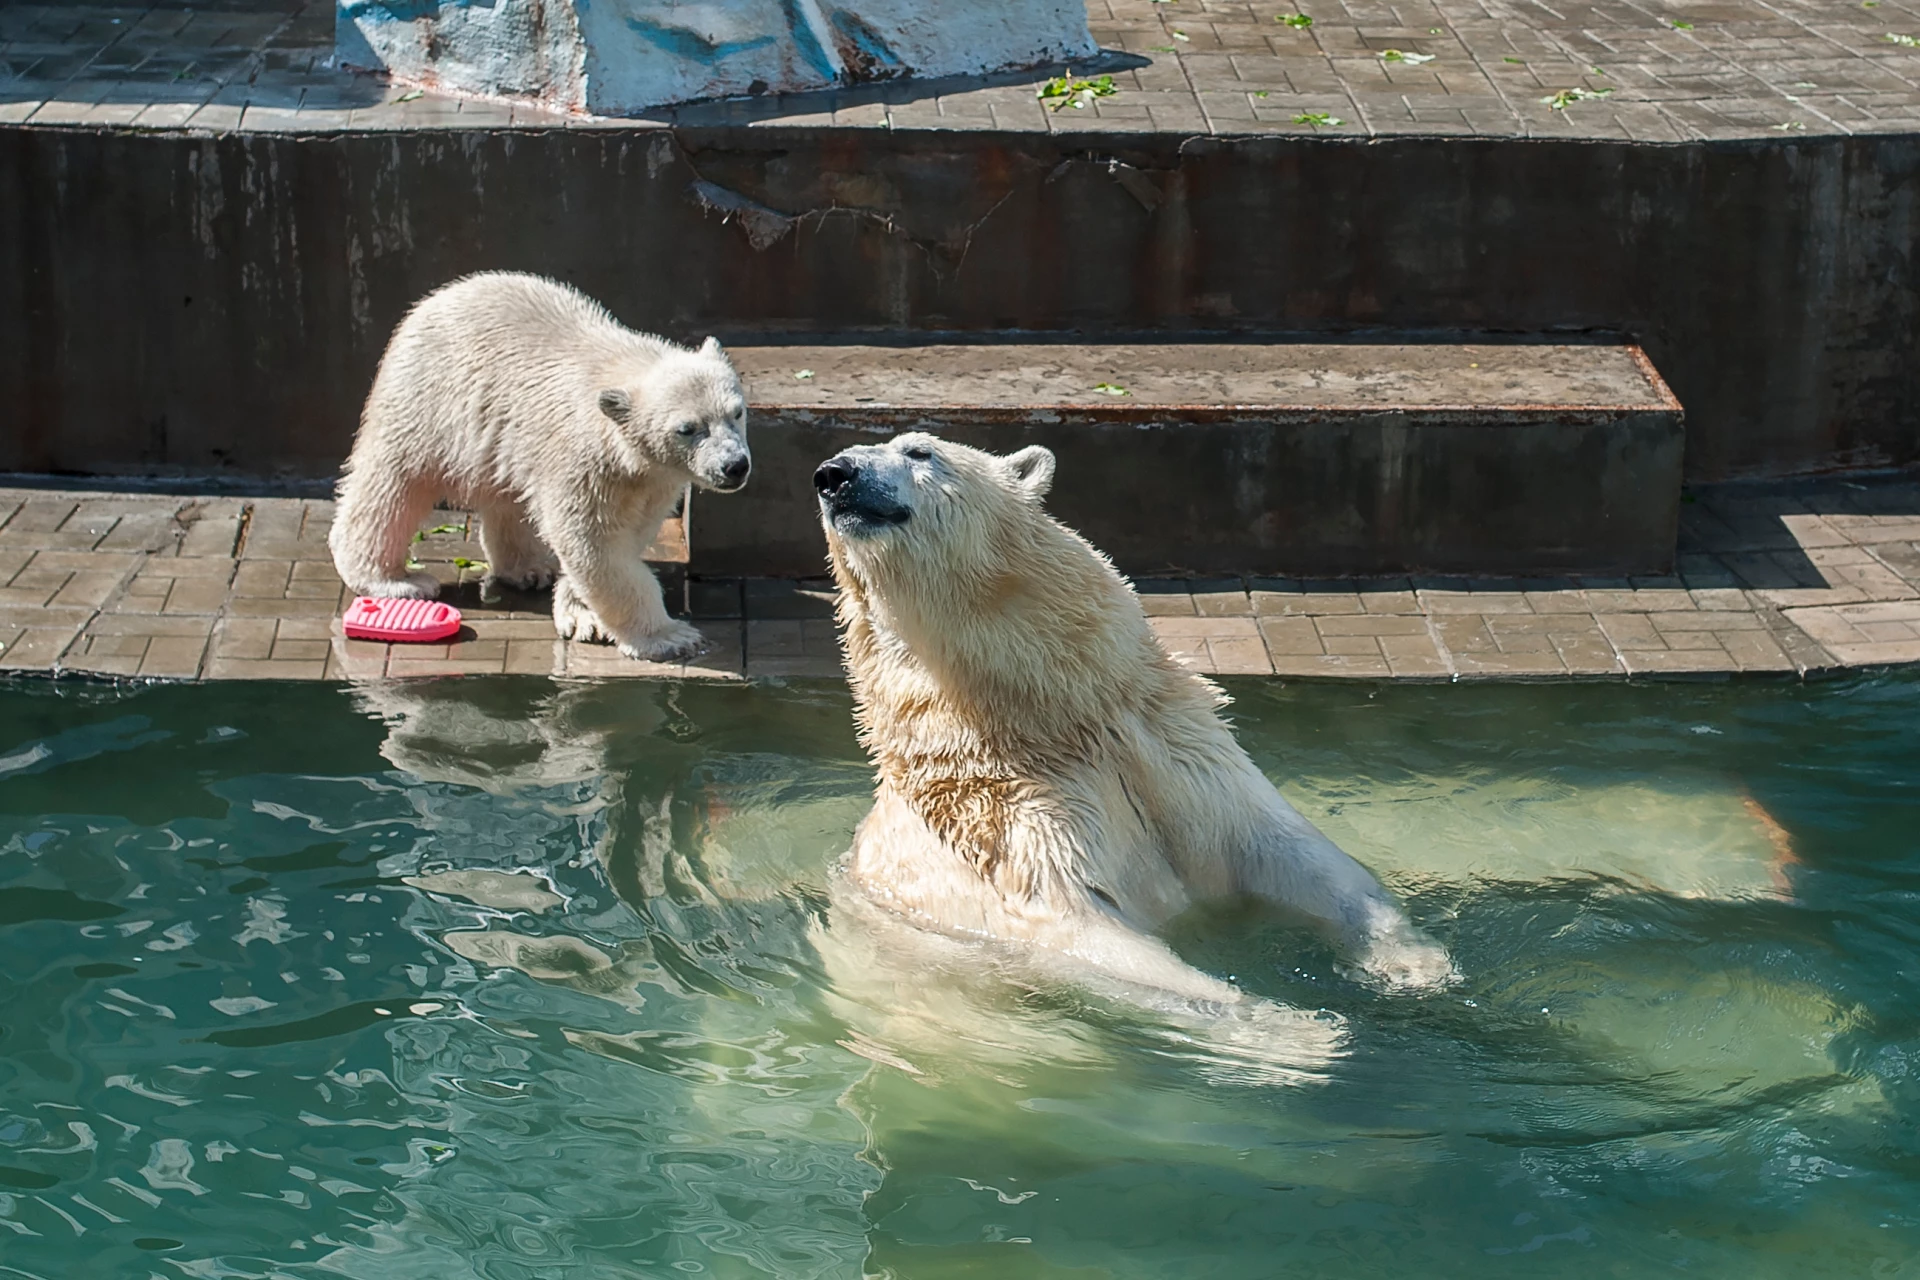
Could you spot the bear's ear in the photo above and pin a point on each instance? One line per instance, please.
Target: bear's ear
(1032, 470)
(616, 404)
(711, 347)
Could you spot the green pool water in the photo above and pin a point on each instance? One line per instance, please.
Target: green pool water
(515, 980)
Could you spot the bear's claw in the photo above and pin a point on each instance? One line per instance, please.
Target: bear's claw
(414, 586)
(675, 643)
(536, 578)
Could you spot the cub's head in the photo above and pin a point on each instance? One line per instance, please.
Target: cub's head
(687, 410)
(920, 504)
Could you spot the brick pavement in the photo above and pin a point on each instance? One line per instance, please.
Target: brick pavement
(1787, 579)
(1632, 70)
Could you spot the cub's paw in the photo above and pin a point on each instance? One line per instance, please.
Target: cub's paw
(575, 621)
(675, 642)
(523, 576)
(536, 577)
(415, 586)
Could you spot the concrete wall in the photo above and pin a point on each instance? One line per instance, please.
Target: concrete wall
(1321, 494)
(208, 303)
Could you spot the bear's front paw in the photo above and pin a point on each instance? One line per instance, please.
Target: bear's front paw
(525, 578)
(1410, 964)
(675, 642)
(575, 621)
(414, 586)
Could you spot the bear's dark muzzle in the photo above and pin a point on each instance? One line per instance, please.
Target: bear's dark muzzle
(834, 475)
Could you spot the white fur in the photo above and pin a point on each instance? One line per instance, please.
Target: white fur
(1048, 774)
(570, 435)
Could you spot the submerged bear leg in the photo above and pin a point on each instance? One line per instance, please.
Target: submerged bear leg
(373, 526)
(1286, 860)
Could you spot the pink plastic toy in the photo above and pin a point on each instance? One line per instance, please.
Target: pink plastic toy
(400, 621)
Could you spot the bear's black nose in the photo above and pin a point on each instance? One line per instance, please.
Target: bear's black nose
(834, 474)
(736, 469)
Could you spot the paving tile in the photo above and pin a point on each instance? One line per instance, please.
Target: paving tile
(1630, 631)
(1415, 656)
(1333, 666)
(1287, 636)
(196, 595)
(1543, 662)
(773, 598)
(1475, 602)
(115, 624)
(1371, 625)
(1654, 600)
(1755, 651)
(174, 657)
(1159, 597)
(243, 639)
(357, 659)
(37, 648)
(715, 599)
(1280, 598)
(1390, 601)
(221, 668)
(1702, 662)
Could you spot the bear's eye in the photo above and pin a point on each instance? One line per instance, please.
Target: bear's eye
(688, 428)
(919, 453)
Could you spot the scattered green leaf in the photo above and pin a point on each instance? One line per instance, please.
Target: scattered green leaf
(409, 95)
(414, 564)
(1596, 71)
(1567, 97)
(1299, 21)
(1182, 36)
(1317, 119)
(1786, 125)
(803, 374)
(1065, 91)
(1413, 59)
(1435, 31)
(1111, 388)
(1869, 4)
(461, 562)
(1260, 93)
(1910, 42)
(1805, 84)
(1518, 62)
(1683, 26)
(1162, 48)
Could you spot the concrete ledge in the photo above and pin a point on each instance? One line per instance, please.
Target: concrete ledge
(1318, 459)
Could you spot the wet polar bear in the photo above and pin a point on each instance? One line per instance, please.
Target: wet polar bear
(1048, 776)
(571, 435)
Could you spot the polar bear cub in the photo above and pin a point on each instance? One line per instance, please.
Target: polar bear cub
(1047, 774)
(571, 435)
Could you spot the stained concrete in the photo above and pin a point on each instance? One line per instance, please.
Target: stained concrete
(1247, 458)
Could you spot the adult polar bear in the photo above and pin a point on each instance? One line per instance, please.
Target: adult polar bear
(1048, 775)
(571, 435)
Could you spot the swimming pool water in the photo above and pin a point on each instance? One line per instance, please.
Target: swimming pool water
(509, 979)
